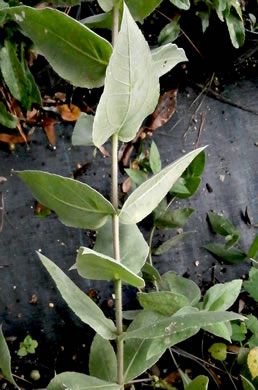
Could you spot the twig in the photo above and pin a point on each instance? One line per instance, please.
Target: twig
(219, 97)
(200, 130)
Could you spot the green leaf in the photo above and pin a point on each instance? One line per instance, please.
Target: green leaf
(94, 265)
(233, 255)
(218, 351)
(179, 188)
(222, 225)
(253, 341)
(106, 5)
(5, 360)
(173, 218)
(163, 302)
(247, 383)
(181, 322)
(150, 273)
(23, 351)
(221, 329)
(6, 119)
(149, 194)
(140, 9)
(104, 20)
(167, 57)
(196, 168)
(67, 3)
(170, 281)
(252, 323)
(251, 285)
(199, 383)
(170, 243)
(170, 32)
(136, 359)
(239, 331)
(131, 89)
(181, 4)
(191, 184)
(80, 57)
(155, 162)
(205, 19)
(221, 296)
(79, 302)
(133, 247)
(102, 361)
(75, 203)
(138, 177)
(3, 4)
(253, 250)
(82, 132)
(13, 73)
(76, 381)
(236, 29)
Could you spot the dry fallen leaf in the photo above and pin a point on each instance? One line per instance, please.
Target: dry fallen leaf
(126, 186)
(12, 139)
(69, 112)
(48, 124)
(60, 96)
(104, 151)
(32, 117)
(164, 110)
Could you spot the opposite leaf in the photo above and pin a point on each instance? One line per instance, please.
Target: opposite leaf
(80, 57)
(133, 247)
(102, 362)
(167, 57)
(75, 381)
(131, 87)
(75, 203)
(5, 360)
(149, 194)
(94, 265)
(79, 302)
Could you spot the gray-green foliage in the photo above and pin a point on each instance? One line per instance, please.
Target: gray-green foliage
(168, 316)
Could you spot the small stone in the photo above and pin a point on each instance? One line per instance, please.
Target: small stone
(35, 375)
(196, 263)
(51, 305)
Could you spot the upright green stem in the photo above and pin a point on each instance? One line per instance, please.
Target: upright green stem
(115, 223)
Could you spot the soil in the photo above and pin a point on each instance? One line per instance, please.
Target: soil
(63, 341)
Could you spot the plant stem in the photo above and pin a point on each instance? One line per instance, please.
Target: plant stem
(115, 223)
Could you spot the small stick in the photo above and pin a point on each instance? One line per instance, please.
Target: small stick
(200, 130)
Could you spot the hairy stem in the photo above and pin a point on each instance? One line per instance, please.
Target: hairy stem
(115, 223)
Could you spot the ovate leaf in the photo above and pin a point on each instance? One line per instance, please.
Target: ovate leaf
(104, 20)
(224, 227)
(75, 203)
(163, 302)
(131, 87)
(233, 255)
(252, 362)
(82, 305)
(155, 162)
(80, 57)
(6, 119)
(173, 218)
(218, 351)
(221, 329)
(170, 281)
(170, 243)
(77, 381)
(205, 19)
(236, 29)
(199, 383)
(251, 285)
(137, 176)
(167, 57)
(5, 360)
(102, 362)
(149, 194)
(222, 295)
(140, 9)
(253, 250)
(94, 265)
(133, 247)
(170, 32)
(181, 4)
(82, 133)
(149, 272)
(107, 5)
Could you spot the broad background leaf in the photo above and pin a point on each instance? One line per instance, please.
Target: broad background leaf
(140, 9)
(133, 247)
(77, 381)
(75, 203)
(82, 305)
(170, 32)
(80, 57)
(149, 194)
(131, 89)
(166, 303)
(102, 362)
(233, 255)
(82, 132)
(5, 360)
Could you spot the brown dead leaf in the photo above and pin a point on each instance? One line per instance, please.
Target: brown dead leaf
(69, 112)
(13, 139)
(233, 348)
(126, 186)
(164, 110)
(104, 151)
(60, 96)
(32, 117)
(48, 124)
(241, 305)
(172, 378)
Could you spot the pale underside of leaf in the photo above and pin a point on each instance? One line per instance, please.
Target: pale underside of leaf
(167, 57)
(131, 87)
